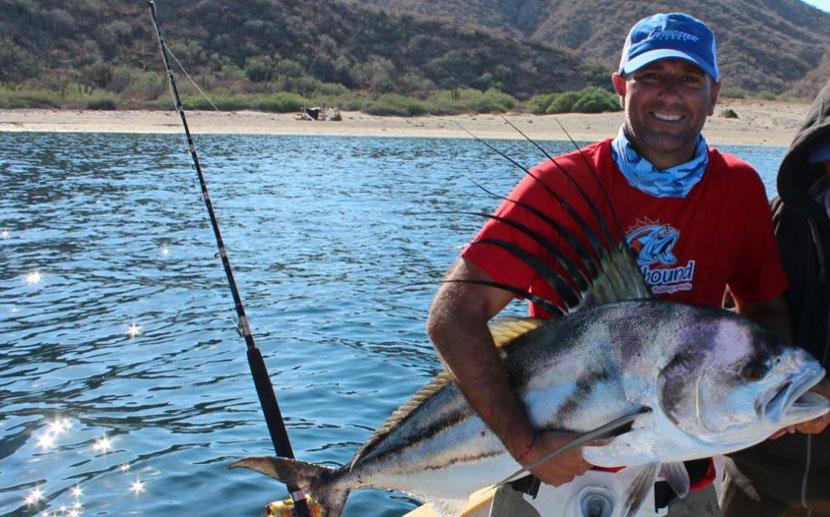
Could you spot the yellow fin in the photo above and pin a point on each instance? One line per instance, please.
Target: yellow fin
(506, 329)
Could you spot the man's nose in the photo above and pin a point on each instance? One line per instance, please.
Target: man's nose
(671, 89)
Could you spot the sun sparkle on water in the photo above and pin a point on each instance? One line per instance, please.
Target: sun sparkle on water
(34, 496)
(4, 234)
(59, 426)
(47, 441)
(103, 444)
(33, 278)
(133, 330)
(137, 487)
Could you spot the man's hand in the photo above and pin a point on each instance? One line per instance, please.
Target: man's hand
(817, 425)
(560, 469)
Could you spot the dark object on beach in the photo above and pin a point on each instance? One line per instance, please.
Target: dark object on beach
(103, 105)
(728, 113)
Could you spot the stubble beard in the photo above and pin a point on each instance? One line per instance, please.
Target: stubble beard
(650, 141)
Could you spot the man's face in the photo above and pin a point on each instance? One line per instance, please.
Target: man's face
(666, 104)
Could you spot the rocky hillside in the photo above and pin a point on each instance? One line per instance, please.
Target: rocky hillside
(775, 45)
(299, 43)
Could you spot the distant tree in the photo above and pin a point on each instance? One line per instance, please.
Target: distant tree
(289, 68)
(118, 31)
(599, 74)
(322, 69)
(343, 72)
(376, 75)
(259, 69)
(14, 63)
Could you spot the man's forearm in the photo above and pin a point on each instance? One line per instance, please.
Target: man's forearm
(466, 348)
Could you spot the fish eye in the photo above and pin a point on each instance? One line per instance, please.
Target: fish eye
(754, 372)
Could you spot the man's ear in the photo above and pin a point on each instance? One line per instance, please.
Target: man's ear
(619, 87)
(713, 97)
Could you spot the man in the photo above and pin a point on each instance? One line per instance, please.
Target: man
(707, 210)
(791, 475)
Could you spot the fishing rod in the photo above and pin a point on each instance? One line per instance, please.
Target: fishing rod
(262, 382)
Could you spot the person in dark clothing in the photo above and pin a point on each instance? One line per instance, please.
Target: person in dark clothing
(790, 475)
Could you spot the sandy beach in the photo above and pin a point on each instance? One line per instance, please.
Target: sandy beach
(758, 123)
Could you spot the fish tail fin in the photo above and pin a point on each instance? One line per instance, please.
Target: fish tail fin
(322, 483)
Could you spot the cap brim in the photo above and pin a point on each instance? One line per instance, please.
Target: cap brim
(646, 58)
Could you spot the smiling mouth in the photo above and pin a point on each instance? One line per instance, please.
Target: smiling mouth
(666, 117)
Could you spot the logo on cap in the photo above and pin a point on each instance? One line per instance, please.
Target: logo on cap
(665, 36)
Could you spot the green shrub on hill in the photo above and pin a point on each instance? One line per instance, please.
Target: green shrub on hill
(538, 104)
(562, 103)
(730, 92)
(71, 96)
(282, 102)
(594, 99)
(398, 105)
(498, 101)
(450, 102)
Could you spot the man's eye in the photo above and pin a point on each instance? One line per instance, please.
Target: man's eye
(692, 79)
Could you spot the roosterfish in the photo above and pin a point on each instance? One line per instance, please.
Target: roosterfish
(702, 381)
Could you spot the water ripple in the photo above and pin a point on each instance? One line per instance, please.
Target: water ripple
(115, 319)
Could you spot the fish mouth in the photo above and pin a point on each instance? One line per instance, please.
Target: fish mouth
(793, 403)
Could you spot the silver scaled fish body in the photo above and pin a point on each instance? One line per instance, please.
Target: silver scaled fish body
(714, 381)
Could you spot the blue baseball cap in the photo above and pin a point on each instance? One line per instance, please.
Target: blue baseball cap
(819, 151)
(664, 36)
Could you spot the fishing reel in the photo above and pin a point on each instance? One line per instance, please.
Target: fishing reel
(285, 508)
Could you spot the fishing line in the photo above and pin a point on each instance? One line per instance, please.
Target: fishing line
(181, 67)
(262, 382)
(598, 433)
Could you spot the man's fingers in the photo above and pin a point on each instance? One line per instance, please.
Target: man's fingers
(782, 432)
(814, 426)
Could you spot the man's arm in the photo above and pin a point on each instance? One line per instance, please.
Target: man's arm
(458, 329)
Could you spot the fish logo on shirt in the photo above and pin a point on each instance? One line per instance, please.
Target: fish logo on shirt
(653, 242)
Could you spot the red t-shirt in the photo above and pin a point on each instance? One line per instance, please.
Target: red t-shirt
(689, 249)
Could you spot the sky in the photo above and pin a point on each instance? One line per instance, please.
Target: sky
(824, 5)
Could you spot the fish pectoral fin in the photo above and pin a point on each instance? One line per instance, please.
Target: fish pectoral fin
(639, 487)
(677, 477)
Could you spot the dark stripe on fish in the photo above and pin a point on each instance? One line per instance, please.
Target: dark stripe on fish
(423, 434)
(583, 387)
(466, 459)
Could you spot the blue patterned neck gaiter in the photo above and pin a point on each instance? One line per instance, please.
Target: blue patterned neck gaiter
(676, 181)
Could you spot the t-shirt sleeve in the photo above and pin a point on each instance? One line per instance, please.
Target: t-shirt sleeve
(759, 275)
(498, 263)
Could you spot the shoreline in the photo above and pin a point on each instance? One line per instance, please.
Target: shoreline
(770, 123)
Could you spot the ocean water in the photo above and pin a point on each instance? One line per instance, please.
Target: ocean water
(124, 388)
